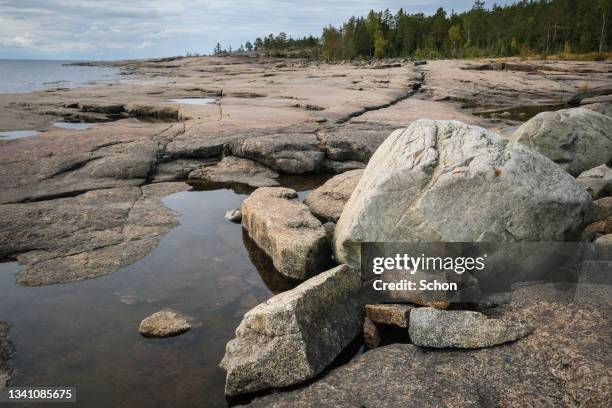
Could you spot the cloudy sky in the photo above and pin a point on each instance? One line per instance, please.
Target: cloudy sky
(115, 29)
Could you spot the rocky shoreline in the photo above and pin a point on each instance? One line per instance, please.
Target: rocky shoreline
(80, 204)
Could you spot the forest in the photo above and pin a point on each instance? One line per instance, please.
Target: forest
(525, 28)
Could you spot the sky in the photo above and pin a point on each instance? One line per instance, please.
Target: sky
(122, 29)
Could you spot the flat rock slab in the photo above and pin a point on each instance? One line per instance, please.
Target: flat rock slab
(392, 314)
(564, 362)
(435, 328)
(165, 323)
(597, 181)
(237, 170)
(6, 353)
(577, 139)
(327, 201)
(90, 235)
(294, 335)
(285, 229)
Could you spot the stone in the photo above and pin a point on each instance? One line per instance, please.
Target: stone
(602, 107)
(293, 153)
(495, 189)
(234, 215)
(597, 181)
(165, 323)
(565, 361)
(294, 335)
(577, 139)
(236, 170)
(87, 236)
(353, 142)
(392, 314)
(435, 328)
(371, 337)
(327, 201)
(284, 228)
(338, 167)
(6, 354)
(597, 229)
(604, 240)
(602, 209)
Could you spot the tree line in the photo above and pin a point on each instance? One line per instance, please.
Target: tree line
(526, 27)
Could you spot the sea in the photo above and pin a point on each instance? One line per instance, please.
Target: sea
(22, 76)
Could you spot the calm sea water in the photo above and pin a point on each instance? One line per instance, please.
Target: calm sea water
(21, 76)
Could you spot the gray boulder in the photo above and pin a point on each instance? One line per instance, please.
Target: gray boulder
(236, 170)
(577, 139)
(447, 181)
(327, 201)
(296, 334)
(597, 181)
(435, 328)
(284, 228)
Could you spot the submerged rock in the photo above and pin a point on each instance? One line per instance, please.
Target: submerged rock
(597, 181)
(164, 323)
(286, 230)
(435, 328)
(577, 139)
(327, 201)
(6, 353)
(234, 215)
(236, 170)
(296, 334)
(447, 181)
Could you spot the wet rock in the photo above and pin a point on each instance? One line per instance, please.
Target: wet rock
(327, 201)
(234, 215)
(296, 334)
(165, 323)
(286, 230)
(597, 181)
(293, 153)
(6, 353)
(90, 235)
(577, 139)
(495, 189)
(392, 314)
(179, 169)
(236, 170)
(371, 337)
(564, 362)
(435, 328)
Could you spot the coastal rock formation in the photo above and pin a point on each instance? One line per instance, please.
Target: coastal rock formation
(597, 181)
(236, 170)
(286, 230)
(577, 139)
(392, 314)
(293, 153)
(327, 201)
(6, 353)
(563, 362)
(355, 141)
(495, 190)
(430, 327)
(296, 334)
(90, 235)
(164, 323)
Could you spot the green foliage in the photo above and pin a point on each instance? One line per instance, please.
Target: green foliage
(526, 28)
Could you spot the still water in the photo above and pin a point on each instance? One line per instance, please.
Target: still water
(85, 334)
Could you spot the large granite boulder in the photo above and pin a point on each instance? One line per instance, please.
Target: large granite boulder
(447, 181)
(564, 362)
(285, 229)
(294, 335)
(236, 170)
(327, 201)
(577, 139)
(430, 327)
(597, 181)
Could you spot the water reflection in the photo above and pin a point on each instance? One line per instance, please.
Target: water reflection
(17, 134)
